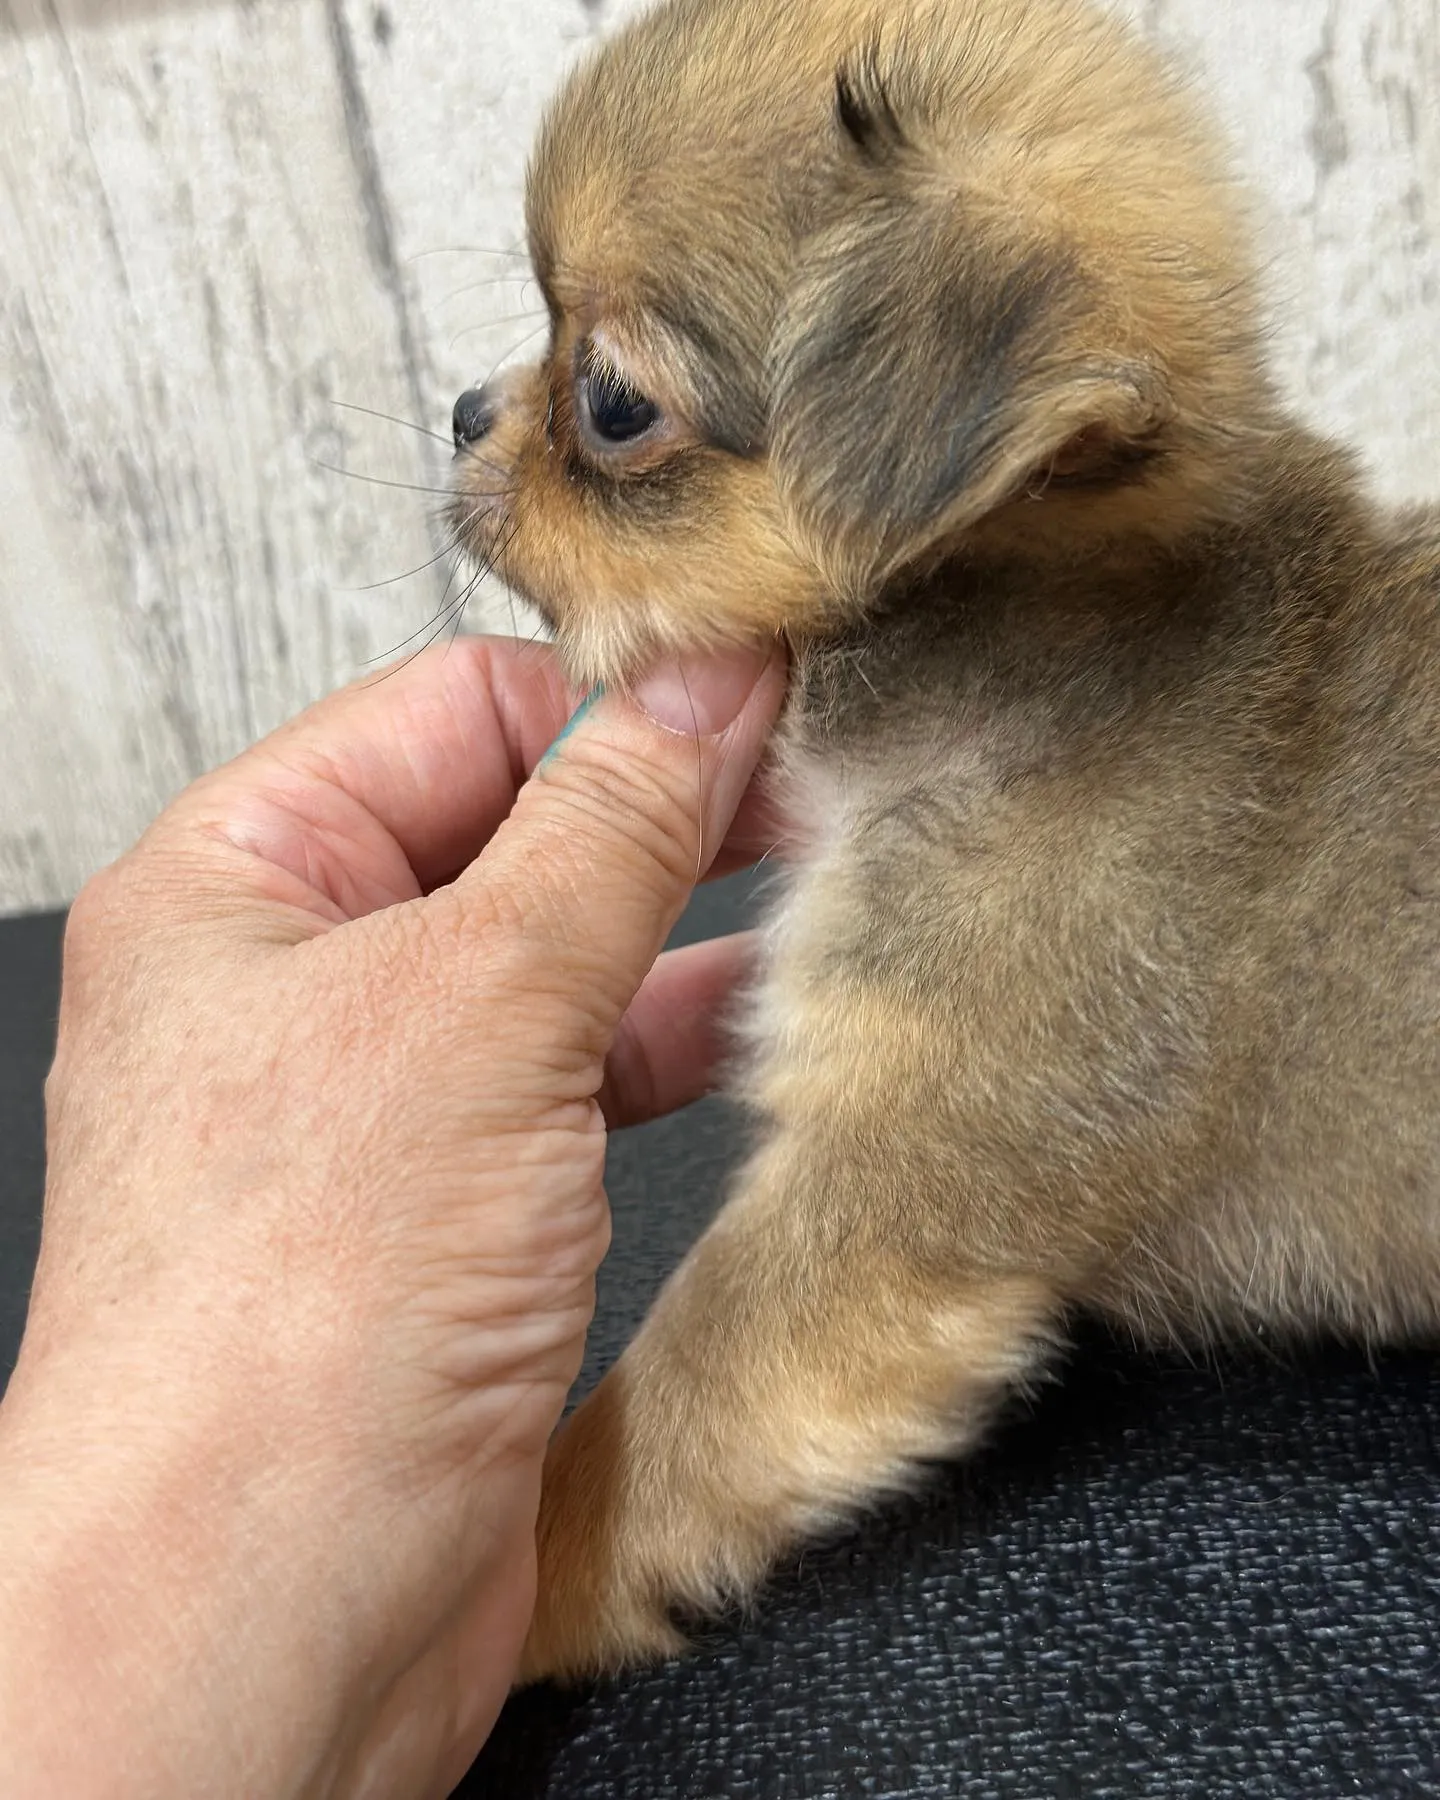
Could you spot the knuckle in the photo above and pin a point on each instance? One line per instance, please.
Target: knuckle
(98, 923)
(93, 910)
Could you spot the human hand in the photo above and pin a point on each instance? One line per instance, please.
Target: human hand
(324, 1211)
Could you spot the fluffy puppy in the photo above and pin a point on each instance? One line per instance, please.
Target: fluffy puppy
(1108, 971)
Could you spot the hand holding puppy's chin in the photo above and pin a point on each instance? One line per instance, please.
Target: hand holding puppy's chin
(324, 1205)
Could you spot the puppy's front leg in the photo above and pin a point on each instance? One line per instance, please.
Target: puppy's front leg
(807, 1353)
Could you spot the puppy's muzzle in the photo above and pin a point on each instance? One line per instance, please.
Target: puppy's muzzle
(473, 417)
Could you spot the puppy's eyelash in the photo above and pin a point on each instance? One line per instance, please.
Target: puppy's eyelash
(610, 409)
(592, 365)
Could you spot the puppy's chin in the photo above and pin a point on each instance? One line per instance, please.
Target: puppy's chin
(619, 650)
(624, 585)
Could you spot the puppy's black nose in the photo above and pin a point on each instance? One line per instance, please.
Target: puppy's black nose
(473, 416)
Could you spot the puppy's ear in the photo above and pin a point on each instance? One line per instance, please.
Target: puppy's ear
(939, 356)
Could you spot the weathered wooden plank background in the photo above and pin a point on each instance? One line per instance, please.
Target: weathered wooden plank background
(220, 219)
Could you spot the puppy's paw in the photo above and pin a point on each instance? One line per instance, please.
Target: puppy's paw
(600, 1607)
(579, 1642)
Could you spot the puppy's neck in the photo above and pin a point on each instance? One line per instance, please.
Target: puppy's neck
(1086, 632)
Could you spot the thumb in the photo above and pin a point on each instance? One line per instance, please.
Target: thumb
(623, 815)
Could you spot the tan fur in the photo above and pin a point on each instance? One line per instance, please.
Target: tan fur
(1108, 973)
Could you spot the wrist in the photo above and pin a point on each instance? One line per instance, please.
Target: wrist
(172, 1614)
(208, 1590)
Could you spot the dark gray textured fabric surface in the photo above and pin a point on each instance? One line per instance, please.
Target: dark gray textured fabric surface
(29, 997)
(1158, 1580)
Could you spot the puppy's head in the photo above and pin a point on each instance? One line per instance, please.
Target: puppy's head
(841, 289)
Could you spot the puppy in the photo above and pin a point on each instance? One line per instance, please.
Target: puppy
(1108, 972)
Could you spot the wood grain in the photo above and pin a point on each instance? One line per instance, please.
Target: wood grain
(219, 218)
(1332, 105)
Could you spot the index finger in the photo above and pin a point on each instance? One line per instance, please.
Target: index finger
(387, 788)
(393, 785)
(433, 750)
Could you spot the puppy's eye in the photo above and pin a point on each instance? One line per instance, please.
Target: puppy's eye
(611, 408)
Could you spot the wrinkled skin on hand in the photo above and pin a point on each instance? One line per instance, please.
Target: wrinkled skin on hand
(340, 1042)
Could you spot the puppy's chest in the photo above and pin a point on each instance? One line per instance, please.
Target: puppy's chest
(838, 802)
(881, 833)
(949, 876)
(904, 919)
(898, 782)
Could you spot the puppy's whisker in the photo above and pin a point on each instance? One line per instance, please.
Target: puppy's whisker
(497, 563)
(461, 601)
(528, 338)
(473, 454)
(455, 570)
(411, 487)
(441, 612)
(530, 312)
(458, 615)
(457, 606)
(504, 582)
(472, 517)
(515, 276)
(699, 774)
(535, 641)
(391, 419)
(470, 250)
(370, 587)
(857, 662)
